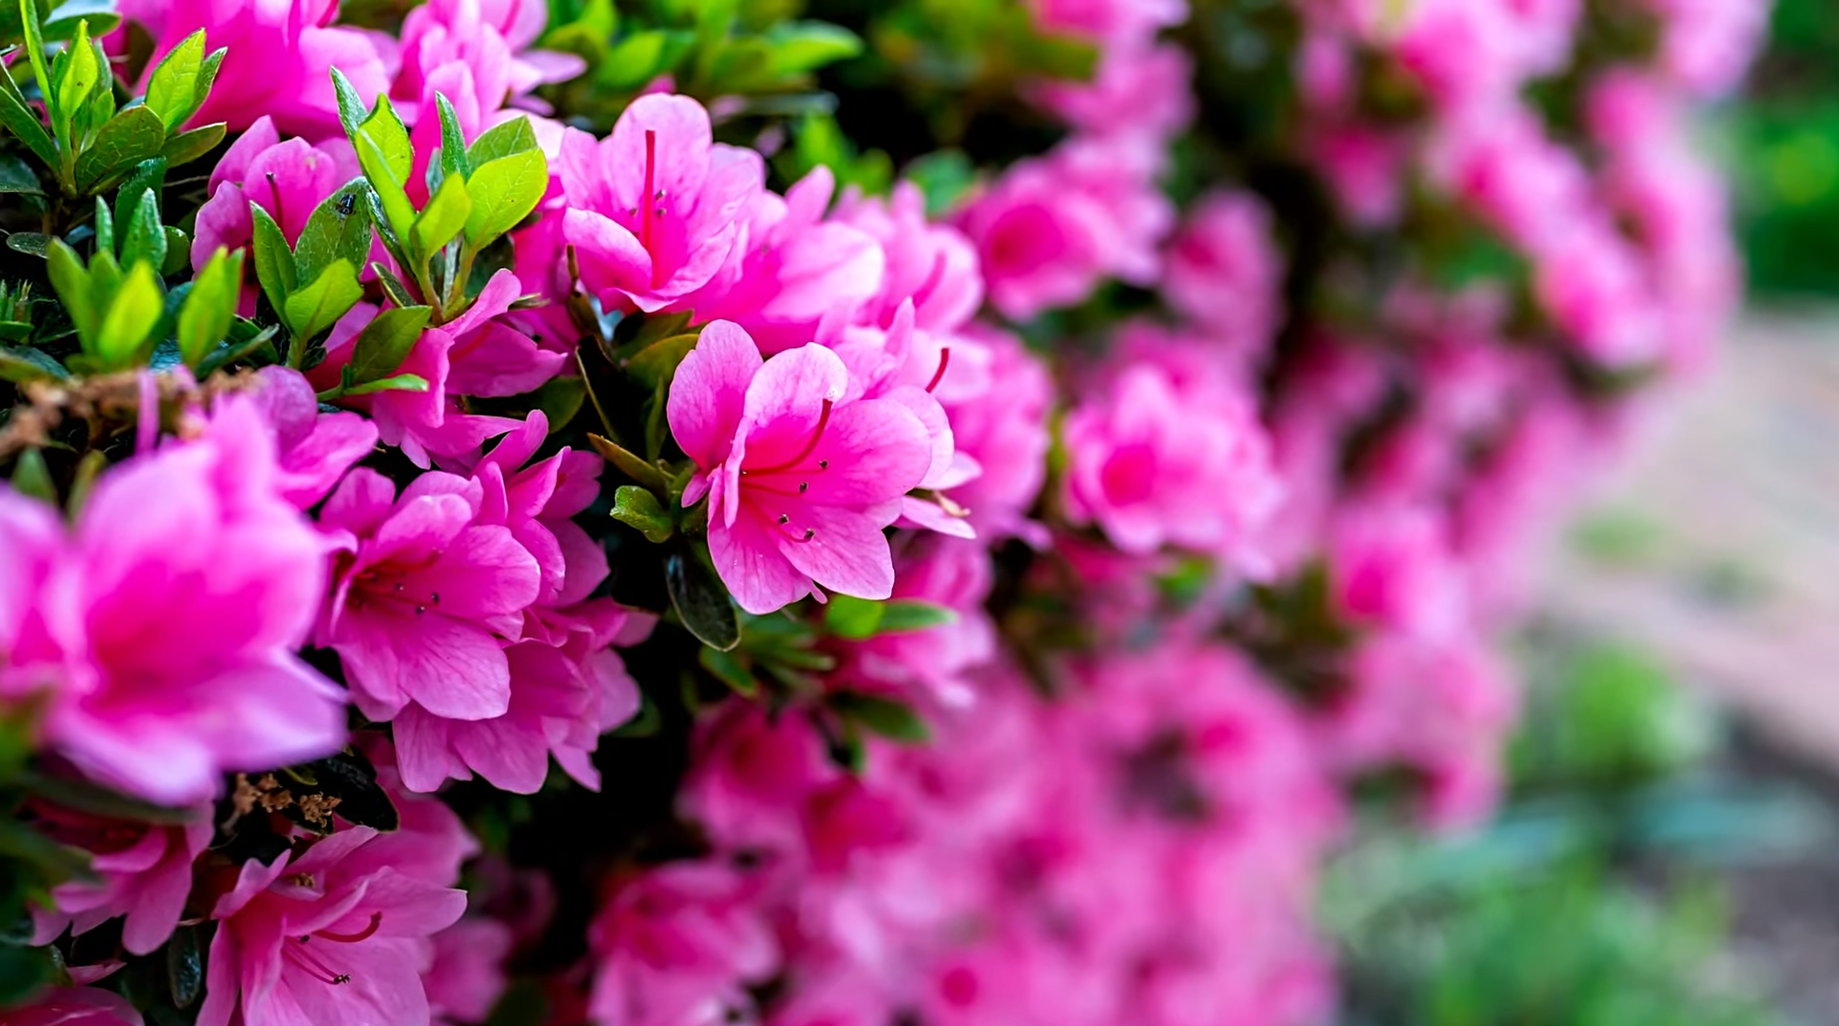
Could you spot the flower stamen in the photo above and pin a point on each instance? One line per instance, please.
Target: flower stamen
(823, 421)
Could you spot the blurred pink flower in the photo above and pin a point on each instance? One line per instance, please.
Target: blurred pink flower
(143, 872)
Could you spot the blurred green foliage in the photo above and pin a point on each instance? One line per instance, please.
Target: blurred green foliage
(1595, 898)
(1785, 147)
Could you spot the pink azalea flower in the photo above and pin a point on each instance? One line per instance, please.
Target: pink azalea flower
(1051, 228)
(76, 1006)
(566, 688)
(1003, 427)
(143, 870)
(934, 664)
(1224, 272)
(1109, 21)
(793, 268)
(280, 62)
(167, 621)
(424, 596)
(315, 448)
(1152, 467)
(653, 210)
(335, 935)
(492, 39)
(491, 358)
(933, 266)
(288, 179)
(678, 946)
(468, 974)
(801, 479)
(1707, 45)
(1139, 89)
(425, 424)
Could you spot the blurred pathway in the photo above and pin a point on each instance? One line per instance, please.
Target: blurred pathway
(1719, 549)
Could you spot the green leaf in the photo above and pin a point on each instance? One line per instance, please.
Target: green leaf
(210, 307)
(501, 140)
(82, 71)
(943, 176)
(189, 146)
(33, 243)
(184, 967)
(893, 720)
(129, 138)
(384, 152)
(173, 90)
(178, 251)
(22, 120)
(854, 618)
(629, 463)
(136, 308)
(339, 229)
(905, 616)
(149, 175)
(22, 972)
(656, 365)
(274, 261)
(803, 46)
(72, 282)
(17, 177)
(144, 238)
(443, 217)
(641, 57)
(728, 668)
(105, 230)
(35, 52)
(453, 141)
(62, 22)
(385, 342)
(27, 364)
(31, 477)
(503, 193)
(398, 383)
(639, 509)
(560, 399)
(393, 287)
(701, 602)
(318, 305)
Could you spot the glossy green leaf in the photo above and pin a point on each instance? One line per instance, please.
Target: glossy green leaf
(339, 229)
(443, 217)
(34, 243)
(21, 120)
(395, 383)
(501, 140)
(32, 477)
(184, 967)
(639, 509)
(274, 261)
(385, 342)
(136, 308)
(17, 177)
(129, 138)
(149, 176)
(629, 463)
(854, 618)
(384, 152)
(35, 48)
(71, 281)
(453, 141)
(210, 307)
(173, 90)
(189, 146)
(143, 238)
(804, 46)
(503, 193)
(701, 602)
(27, 364)
(318, 304)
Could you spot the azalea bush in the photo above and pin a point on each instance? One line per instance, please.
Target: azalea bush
(699, 512)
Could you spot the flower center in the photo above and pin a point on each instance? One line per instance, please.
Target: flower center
(295, 948)
(784, 520)
(648, 199)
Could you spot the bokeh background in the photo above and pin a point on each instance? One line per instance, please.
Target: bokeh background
(1669, 854)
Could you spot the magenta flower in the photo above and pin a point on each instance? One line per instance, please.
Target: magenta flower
(679, 945)
(76, 1006)
(1153, 467)
(1224, 272)
(280, 63)
(286, 178)
(424, 596)
(793, 268)
(468, 973)
(1051, 228)
(801, 479)
(167, 622)
(315, 448)
(933, 266)
(333, 936)
(653, 210)
(492, 40)
(143, 872)
(491, 358)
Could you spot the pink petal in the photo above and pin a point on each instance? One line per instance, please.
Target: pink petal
(847, 553)
(748, 560)
(708, 393)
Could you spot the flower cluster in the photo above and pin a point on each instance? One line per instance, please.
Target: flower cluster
(554, 515)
